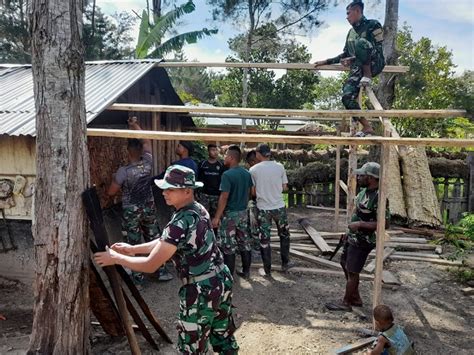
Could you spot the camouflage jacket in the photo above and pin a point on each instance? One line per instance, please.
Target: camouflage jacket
(371, 30)
(190, 230)
(366, 203)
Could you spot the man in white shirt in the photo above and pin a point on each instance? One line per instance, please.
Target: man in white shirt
(270, 180)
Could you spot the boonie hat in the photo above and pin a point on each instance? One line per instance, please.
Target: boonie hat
(264, 149)
(370, 168)
(178, 177)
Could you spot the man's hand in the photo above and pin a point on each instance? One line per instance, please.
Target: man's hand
(106, 258)
(354, 226)
(365, 82)
(133, 122)
(347, 61)
(319, 63)
(216, 222)
(123, 248)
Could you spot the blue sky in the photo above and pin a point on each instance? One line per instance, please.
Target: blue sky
(446, 23)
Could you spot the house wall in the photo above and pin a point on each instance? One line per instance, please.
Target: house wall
(17, 158)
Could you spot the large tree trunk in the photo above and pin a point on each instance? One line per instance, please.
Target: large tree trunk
(61, 306)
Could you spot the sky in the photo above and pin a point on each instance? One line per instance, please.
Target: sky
(446, 23)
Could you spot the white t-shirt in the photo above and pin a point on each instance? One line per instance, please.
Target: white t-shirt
(268, 178)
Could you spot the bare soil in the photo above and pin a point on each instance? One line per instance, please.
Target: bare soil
(286, 314)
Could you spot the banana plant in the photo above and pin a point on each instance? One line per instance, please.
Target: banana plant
(153, 29)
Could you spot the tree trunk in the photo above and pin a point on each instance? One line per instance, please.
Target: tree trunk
(61, 306)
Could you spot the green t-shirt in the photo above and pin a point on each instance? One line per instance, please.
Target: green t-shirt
(237, 182)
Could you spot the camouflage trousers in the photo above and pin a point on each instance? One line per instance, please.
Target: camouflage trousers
(364, 54)
(234, 233)
(265, 218)
(253, 225)
(205, 315)
(140, 221)
(210, 203)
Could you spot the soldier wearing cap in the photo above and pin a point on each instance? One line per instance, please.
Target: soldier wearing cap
(270, 180)
(206, 295)
(363, 53)
(360, 237)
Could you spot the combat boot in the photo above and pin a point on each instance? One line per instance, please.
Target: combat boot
(229, 260)
(285, 253)
(267, 259)
(246, 261)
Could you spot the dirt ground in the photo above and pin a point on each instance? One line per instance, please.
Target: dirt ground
(286, 314)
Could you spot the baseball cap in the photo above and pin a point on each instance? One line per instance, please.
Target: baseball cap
(370, 168)
(264, 149)
(178, 177)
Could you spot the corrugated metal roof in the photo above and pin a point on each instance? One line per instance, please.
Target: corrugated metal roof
(105, 82)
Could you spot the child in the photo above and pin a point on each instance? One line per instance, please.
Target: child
(391, 340)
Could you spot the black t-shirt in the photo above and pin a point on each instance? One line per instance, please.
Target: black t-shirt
(210, 174)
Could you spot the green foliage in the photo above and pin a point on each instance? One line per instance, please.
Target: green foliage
(153, 29)
(429, 84)
(14, 35)
(463, 274)
(327, 93)
(460, 236)
(110, 37)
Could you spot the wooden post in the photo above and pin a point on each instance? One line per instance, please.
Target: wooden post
(381, 208)
(352, 166)
(337, 188)
(155, 125)
(470, 161)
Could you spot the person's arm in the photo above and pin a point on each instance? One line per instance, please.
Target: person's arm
(113, 189)
(221, 204)
(161, 252)
(253, 192)
(132, 250)
(133, 124)
(381, 341)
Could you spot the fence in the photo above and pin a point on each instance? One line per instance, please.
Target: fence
(452, 193)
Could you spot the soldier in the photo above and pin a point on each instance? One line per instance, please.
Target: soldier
(139, 214)
(363, 54)
(251, 160)
(270, 180)
(360, 237)
(206, 295)
(210, 172)
(232, 207)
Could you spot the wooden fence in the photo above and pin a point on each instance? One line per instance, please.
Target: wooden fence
(453, 196)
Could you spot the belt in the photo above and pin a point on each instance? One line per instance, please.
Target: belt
(194, 279)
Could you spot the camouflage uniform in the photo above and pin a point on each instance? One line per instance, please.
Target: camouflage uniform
(210, 203)
(140, 220)
(280, 217)
(234, 233)
(206, 296)
(253, 225)
(364, 42)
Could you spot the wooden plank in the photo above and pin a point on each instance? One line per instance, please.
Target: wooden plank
(343, 186)
(299, 247)
(315, 236)
(381, 209)
(313, 271)
(314, 259)
(385, 121)
(288, 112)
(335, 225)
(370, 267)
(324, 208)
(307, 66)
(360, 344)
(468, 291)
(257, 138)
(437, 261)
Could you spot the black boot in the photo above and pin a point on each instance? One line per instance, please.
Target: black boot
(267, 259)
(246, 261)
(229, 260)
(285, 252)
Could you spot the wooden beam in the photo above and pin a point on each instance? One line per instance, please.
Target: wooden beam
(315, 259)
(343, 186)
(315, 236)
(337, 191)
(437, 261)
(307, 66)
(226, 129)
(272, 118)
(258, 138)
(370, 267)
(360, 344)
(385, 121)
(289, 112)
(323, 208)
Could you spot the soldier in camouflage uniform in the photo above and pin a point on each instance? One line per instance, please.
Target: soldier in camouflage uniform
(363, 53)
(232, 208)
(206, 295)
(360, 237)
(270, 180)
(139, 213)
